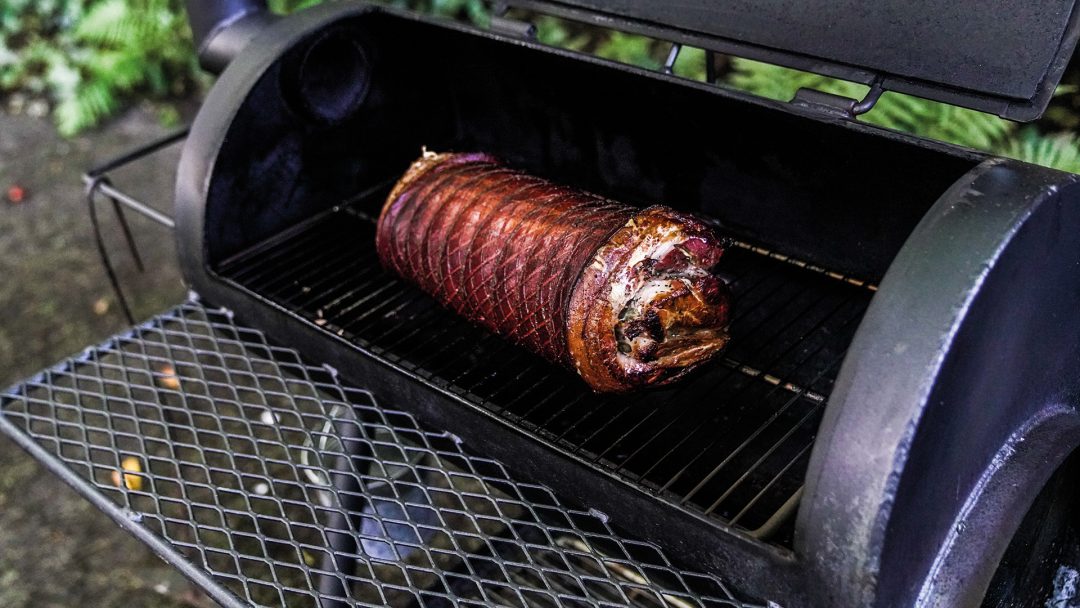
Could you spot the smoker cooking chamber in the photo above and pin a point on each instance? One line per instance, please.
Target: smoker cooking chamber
(295, 229)
(287, 226)
(308, 127)
(240, 409)
(895, 423)
(732, 443)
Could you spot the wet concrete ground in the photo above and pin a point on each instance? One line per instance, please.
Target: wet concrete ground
(55, 548)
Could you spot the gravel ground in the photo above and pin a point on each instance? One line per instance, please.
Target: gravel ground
(56, 549)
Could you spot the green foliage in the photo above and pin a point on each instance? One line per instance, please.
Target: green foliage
(631, 49)
(628, 48)
(91, 57)
(473, 10)
(559, 33)
(893, 111)
(1060, 151)
(288, 6)
(691, 63)
(31, 45)
(919, 116)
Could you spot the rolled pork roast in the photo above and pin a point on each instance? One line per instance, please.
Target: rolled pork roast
(624, 296)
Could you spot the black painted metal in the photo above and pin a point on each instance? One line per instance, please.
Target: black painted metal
(237, 440)
(1039, 567)
(98, 182)
(253, 168)
(766, 395)
(955, 402)
(221, 28)
(1006, 59)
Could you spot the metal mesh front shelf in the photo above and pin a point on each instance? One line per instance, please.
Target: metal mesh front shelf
(272, 483)
(732, 443)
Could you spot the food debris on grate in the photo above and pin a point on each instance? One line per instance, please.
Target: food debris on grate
(332, 496)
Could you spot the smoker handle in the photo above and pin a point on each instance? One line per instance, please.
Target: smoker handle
(221, 28)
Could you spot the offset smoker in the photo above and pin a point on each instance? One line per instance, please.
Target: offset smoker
(899, 389)
(901, 379)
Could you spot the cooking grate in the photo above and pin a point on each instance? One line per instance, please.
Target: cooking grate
(269, 482)
(732, 443)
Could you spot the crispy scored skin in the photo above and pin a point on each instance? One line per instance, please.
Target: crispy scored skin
(621, 295)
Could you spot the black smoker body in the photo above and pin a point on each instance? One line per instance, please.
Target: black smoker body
(904, 372)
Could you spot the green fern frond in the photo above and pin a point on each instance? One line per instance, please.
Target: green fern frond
(108, 22)
(894, 111)
(117, 49)
(92, 102)
(1060, 151)
(775, 82)
(968, 127)
(123, 71)
(629, 48)
(553, 31)
(691, 63)
(144, 24)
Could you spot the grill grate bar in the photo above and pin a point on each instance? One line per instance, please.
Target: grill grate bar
(794, 399)
(737, 301)
(803, 453)
(792, 325)
(238, 450)
(799, 392)
(753, 372)
(272, 256)
(679, 390)
(734, 365)
(316, 259)
(805, 265)
(745, 475)
(321, 294)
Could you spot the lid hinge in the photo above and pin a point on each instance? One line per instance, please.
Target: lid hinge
(672, 57)
(839, 105)
(515, 28)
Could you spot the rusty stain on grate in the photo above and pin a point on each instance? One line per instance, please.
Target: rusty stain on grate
(279, 485)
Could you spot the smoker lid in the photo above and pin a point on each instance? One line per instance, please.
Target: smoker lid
(1004, 56)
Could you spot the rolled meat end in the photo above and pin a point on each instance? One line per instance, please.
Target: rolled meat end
(625, 297)
(646, 309)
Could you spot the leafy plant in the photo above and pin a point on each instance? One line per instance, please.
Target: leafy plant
(473, 10)
(1060, 151)
(918, 116)
(30, 42)
(91, 57)
(632, 49)
(893, 111)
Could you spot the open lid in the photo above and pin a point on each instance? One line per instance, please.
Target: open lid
(1001, 56)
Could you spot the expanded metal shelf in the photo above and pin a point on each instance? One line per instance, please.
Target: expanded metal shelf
(270, 482)
(733, 443)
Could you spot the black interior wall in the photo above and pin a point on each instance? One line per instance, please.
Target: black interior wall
(841, 197)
